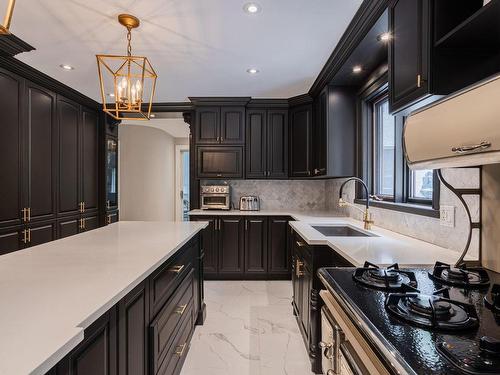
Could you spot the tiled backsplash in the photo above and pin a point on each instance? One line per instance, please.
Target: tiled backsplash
(323, 195)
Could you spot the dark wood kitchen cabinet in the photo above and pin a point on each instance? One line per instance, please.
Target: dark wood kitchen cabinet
(210, 246)
(11, 239)
(111, 176)
(320, 140)
(220, 125)
(89, 159)
(267, 143)
(301, 133)
(220, 162)
(256, 245)
(279, 262)
(231, 245)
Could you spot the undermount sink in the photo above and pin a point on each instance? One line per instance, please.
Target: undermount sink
(341, 231)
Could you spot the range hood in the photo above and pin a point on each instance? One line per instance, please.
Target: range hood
(460, 130)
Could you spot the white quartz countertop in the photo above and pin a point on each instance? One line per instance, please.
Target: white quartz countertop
(50, 293)
(384, 248)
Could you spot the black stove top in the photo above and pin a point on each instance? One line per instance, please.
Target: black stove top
(435, 328)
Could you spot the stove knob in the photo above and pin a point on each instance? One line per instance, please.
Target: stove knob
(489, 345)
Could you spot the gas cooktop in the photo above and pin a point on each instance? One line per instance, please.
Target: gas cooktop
(443, 320)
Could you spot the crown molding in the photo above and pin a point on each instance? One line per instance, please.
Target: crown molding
(11, 45)
(220, 100)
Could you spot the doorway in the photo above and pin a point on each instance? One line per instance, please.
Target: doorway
(182, 183)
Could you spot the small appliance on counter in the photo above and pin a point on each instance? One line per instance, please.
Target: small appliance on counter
(215, 197)
(249, 203)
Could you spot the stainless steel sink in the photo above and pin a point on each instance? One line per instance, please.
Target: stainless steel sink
(341, 231)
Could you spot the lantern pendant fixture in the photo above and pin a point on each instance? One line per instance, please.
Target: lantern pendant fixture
(4, 29)
(127, 82)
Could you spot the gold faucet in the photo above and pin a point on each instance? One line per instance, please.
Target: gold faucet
(367, 217)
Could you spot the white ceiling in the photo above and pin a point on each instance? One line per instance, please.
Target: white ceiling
(198, 47)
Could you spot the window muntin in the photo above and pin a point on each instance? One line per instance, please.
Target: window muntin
(385, 147)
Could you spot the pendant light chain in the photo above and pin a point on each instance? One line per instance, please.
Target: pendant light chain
(129, 39)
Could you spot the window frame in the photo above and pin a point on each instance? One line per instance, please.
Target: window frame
(372, 92)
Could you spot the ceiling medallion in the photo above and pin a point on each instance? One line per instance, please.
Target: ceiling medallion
(4, 29)
(131, 80)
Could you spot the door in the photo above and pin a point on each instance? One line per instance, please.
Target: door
(11, 239)
(279, 255)
(256, 245)
(68, 227)
(300, 141)
(210, 245)
(232, 125)
(296, 283)
(305, 284)
(256, 146)
(277, 144)
(69, 181)
(111, 174)
(89, 223)
(231, 245)
(408, 56)
(90, 159)
(11, 150)
(220, 162)
(182, 182)
(207, 125)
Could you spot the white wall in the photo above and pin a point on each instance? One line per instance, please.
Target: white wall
(147, 177)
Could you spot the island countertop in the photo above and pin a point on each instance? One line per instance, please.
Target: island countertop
(50, 293)
(384, 247)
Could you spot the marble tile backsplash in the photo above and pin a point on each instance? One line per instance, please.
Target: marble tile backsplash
(323, 195)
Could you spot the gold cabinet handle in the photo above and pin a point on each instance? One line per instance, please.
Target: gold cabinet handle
(83, 221)
(108, 204)
(83, 205)
(419, 80)
(29, 235)
(298, 268)
(300, 243)
(180, 309)
(179, 350)
(177, 269)
(25, 214)
(29, 214)
(25, 236)
(109, 219)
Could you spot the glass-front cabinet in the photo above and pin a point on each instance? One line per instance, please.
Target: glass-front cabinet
(111, 174)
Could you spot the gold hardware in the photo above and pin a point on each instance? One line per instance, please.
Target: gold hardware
(177, 269)
(25, 236)
(109, 219)
(83, 205)
(29, 213)
(419, 79)
(4, 29)
(29, 235)
(298, 265)
(300, 243)
(108, 204)
(465, 149)
(131, 80)
(179, 350)
(80, 205)
(367, 219)
(316, 170)
(180, 309)
(221, 139)
(25, 214)
(83, 221)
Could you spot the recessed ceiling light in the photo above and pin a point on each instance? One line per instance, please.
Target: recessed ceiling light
(252, 71)
(252, 8)
(357, 69)
(152, 115)
(66, 67)
(384, 37)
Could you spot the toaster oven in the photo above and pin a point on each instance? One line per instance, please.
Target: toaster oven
(215, 197)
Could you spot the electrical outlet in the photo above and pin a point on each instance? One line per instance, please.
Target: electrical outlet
(447, 216)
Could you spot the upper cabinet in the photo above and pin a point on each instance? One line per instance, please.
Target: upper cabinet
(220, 125)
(301, 133)
(267, 143)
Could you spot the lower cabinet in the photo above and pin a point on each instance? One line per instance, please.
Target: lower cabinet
(246, 247)
(306, 286)
(149, 330)
(24, 236)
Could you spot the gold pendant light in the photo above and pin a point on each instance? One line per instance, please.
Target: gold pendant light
(4, 29)
(131, 80)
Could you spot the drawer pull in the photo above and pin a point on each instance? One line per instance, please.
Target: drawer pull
(464, 149)
(298, 268)
(177, 269)
(180, 309)
(179, 350)
(300, 243)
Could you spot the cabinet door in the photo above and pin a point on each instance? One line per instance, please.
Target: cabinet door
(133, 325)
(11, 150)
(231, 245)
(97, 353)
(232, 125)
(89, 223)
(111, 173)
(42, 233)
(11, 239)
(296, 284)
(220, 162)
(68, 227)
(320, 134)
(300, 141)
(277, 143)
(306, 283)
(69, 182)
(408, 56)
(42, 152)
(279, 255)
(207, 125)
(112, 217)
(255, 245)
(210, 245)
(256, 146)
(90, 159)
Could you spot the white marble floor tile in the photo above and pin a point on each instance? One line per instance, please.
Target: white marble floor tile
(249, 330)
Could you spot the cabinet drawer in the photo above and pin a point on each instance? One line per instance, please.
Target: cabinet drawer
(176, 354)
(164, 281)
(174, 314)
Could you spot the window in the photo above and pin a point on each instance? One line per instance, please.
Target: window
(383, 166)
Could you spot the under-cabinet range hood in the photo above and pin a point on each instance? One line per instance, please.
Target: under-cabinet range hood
(460, 130)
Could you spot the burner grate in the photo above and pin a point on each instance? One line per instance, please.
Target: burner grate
(387, 279)
(462, 276)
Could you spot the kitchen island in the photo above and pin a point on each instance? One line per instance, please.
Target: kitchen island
(97, 299)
